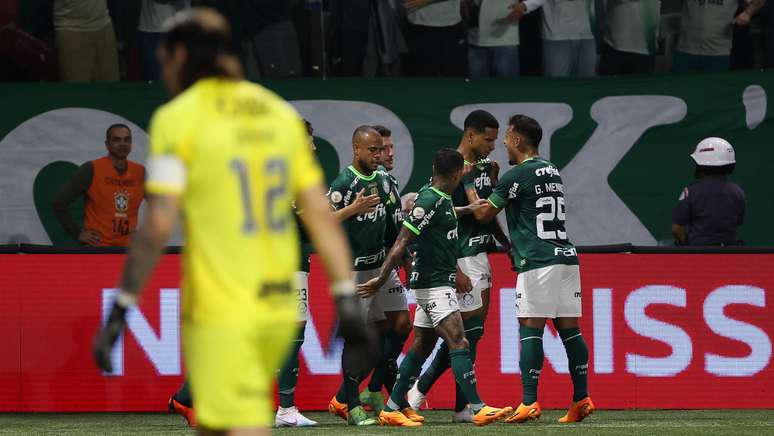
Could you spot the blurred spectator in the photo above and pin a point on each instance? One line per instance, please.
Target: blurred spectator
(86, 43)
(269, 36)
(493, 38)
(368, 38)
(706, 33)
(711, 208)
(630, 37)
(436, 38)
(22, 56)
(569, 48)
(767, 25)
(113, 188)
(153, 14)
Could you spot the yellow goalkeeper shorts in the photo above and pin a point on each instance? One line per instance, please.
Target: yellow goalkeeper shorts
(232, 369)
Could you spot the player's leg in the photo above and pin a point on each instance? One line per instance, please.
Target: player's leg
(452, 331)
(397, 411)
(397, 326)
(182, 404)
(535, 302)
(287, 413)
(568, 326)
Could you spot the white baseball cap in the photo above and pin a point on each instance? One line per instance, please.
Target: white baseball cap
(714, 152)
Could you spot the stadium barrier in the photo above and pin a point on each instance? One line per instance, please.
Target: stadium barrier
(665, 329)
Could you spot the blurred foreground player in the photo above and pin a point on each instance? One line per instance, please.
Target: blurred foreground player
(234, 157)
(548, 285)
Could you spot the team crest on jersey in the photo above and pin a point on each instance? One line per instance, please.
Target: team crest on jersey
(121, 200)
(336, 197)
(418, 213)
(467, 299)
(386, 185)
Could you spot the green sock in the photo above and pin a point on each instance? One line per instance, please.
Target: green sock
(437, 367)
(183, 395)
(530, 361)
(466, 377)
(578, 359)
(474, 330)
(386, 372)
(288, 376)
(407, 375)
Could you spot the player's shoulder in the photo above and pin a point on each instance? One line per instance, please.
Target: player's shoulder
(275, 104)
(343, 178)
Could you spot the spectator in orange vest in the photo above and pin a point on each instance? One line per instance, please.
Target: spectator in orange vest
(113, 188)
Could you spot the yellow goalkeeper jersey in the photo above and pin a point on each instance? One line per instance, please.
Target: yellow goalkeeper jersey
(237, 155)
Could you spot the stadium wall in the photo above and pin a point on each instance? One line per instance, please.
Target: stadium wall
(664, 331)
(622, 144)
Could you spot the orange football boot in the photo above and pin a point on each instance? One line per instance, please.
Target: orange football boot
(412, 414)
(396, 419)
(187, 413)
(489, 414)
(525, 413)
(578, 411)
(338, 409)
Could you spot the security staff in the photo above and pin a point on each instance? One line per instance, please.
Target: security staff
(711, 208)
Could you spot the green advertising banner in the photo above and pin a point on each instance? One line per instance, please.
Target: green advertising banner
(622, 144)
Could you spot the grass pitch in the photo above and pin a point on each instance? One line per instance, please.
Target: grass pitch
(604, 422)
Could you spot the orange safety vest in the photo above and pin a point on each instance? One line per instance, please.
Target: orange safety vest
(113, 200)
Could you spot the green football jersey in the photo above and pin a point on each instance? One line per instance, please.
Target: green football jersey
(532, 195)
(474, 237)
(366, 231)
(434, 222)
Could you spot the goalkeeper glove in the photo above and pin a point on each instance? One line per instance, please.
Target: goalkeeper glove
(108, 334)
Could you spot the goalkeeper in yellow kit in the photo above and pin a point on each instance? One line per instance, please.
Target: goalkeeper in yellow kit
(232, 157)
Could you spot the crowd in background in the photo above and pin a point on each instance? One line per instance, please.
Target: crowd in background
(109, 40)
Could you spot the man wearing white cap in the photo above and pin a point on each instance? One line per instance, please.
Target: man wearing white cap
(711, 208)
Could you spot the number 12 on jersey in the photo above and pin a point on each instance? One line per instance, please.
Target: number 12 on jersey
(274, 167)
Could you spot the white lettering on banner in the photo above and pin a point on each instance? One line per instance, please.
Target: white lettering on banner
(603, 331)
(599, 215)
(163, 350)
(642, 324)
(318, 361)
(721, 325)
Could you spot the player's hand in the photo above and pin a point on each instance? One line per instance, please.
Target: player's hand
(365, 203)
(518, 11)
(107, 336)
(743, 19)
(477, 205)
(370, 287)
(89, 237)
(413, 5)
(462, 282)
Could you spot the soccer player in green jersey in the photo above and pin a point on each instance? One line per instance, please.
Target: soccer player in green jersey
(476, 239)
(397, 326)
(548, 284)
(359, 195)
(432, 223)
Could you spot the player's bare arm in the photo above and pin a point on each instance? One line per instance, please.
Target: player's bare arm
(394, 258)
(462, 282)
(144, 252)
(471, 208)
(488, 212)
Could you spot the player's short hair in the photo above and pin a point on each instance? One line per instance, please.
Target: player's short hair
(528, 127)
(362, 131)
(480, 120)
(115, 126)
(383, 131)
(207, 37)
(447, 161)
(309, 129)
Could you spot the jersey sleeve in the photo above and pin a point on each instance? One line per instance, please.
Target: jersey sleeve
(340, 194)
(168, 156)
(681, 214)
(423, 213)
(305, 170)
(507, 189)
